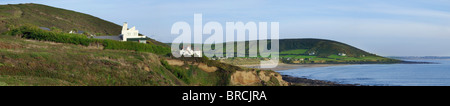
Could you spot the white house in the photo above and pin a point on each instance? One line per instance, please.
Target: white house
(131, 34)
(342, 54)
(187, 51)
(312, 53)
(76, 32)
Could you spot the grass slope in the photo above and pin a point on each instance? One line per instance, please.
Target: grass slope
(322, 47)
(16, 15)
(326, 51)
(298, 51)
(25, 62)
(46, 16)
(31, 62)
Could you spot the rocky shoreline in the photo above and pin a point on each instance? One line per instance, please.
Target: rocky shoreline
(295, 81)
(283, 66)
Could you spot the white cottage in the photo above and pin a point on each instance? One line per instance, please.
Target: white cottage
(342, 54)
(131, 34)
(187, 51)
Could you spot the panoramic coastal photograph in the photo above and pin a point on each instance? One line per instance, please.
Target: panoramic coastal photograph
(224, 43)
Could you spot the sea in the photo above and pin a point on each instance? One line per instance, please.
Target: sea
(437, 73)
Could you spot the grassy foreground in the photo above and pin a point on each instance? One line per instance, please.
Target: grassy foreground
(26, 62)
(31, 62)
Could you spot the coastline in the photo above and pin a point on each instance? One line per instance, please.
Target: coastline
(283, 66)
(296, 81)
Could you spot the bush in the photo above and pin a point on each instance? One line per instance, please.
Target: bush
(33, 32)
(118, 45)
(178, 72)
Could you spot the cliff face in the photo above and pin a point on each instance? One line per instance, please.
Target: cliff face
(254, 77)
(244, 77)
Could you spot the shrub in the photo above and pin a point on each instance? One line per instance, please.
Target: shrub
(178, 72)
(33, 32)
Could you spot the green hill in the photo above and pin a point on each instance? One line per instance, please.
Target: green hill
(326, 51)
(46, 16)
(15, 15)
(321, 47)
(306, 51)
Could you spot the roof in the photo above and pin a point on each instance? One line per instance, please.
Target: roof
(45, 28)
(136, 39)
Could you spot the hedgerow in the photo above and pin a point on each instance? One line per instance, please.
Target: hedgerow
(33, 32)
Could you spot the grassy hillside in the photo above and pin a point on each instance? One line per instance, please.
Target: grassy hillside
(326, 51)
(57, 19)
(321, 47)
(307, 51)
(32, 62)
(46, 16)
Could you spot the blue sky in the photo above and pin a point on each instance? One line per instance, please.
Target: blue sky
(384, 27)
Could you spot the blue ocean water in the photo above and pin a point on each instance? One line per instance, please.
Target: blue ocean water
(381, 74)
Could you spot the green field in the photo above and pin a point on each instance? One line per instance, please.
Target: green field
(335, 59)
(301, 57)
(308, 51)
(294, 52)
